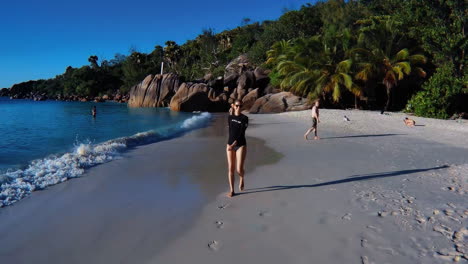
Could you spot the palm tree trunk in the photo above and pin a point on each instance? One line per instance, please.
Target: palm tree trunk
(387, 104)
(355, 102)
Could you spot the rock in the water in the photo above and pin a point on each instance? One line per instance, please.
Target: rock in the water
(154, 91)
(280, 102)
(138, 92)
(4, 92)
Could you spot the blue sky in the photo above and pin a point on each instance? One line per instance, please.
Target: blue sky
(40, 38)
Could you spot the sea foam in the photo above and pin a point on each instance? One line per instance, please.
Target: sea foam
(16, 185)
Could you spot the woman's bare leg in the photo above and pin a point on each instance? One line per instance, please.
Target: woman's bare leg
(241, 153)
(308, 132)
(231, 158)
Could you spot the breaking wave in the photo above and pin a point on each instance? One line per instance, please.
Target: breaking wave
(18, 184)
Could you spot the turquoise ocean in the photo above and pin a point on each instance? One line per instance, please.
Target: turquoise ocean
(45, 143)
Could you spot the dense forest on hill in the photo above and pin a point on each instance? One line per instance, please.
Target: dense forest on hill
(374, 54)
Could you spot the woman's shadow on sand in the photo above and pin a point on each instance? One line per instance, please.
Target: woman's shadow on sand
(352, 178)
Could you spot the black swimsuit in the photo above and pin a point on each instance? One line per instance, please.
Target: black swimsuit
(237, 126)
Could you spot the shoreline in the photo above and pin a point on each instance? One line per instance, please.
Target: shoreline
(65, 151)
(370, 191)
(121, 211)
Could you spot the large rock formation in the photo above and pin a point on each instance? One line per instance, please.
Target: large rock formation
(261, 78)
(198, 97)
(240, 82)
(154, 91)
(249, 100)
(279, 102)
(245, 81)
(234, 69)
(4, 92)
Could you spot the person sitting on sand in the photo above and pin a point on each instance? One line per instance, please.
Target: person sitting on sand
(409, 122)
(93, 112)
(236, 148)
(315, 120)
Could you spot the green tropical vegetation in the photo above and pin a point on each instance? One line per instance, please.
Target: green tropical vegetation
(371, 54)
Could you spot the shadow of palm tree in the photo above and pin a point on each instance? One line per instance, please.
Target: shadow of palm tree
(358, 136)
(352, 178)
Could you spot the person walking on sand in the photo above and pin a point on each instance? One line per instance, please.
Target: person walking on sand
(236, 148)
(315, 120)
(93, 112)
(409, 122)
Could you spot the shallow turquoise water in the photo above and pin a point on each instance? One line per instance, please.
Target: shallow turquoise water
(32, 130)
(46, 143)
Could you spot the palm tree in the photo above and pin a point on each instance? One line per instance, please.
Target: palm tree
(312, 68)
(280, 48)
(380, 58)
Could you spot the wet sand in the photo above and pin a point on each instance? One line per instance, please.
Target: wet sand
(125, 211)
(370, 191)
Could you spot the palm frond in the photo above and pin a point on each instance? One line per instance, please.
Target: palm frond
(418, 59)
(402, 55)
(419, 71)
(398, 70)
(356, 90)
(336, 92)
(344, 66)
(347, 80)
(405, 66)
(287, 67)
(365, 73)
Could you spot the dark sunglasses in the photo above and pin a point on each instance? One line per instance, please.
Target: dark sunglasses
(237, 105)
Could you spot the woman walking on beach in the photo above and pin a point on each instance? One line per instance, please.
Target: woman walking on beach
(236, 148)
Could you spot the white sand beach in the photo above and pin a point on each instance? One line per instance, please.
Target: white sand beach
(371, 190)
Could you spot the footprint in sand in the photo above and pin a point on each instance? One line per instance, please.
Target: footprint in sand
(386, 250)
(376, 229)
(223, 206)
(448, 212)
(219, 224)
(346, 217)
(264, 213)
(214, 245)
(364, 243)
(364, 260)
(444, 230)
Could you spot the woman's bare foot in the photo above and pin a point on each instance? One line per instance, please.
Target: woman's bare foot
(241, 185)
(230, 194)
(316, 138)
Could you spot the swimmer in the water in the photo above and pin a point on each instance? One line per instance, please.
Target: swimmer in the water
(93, 112)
